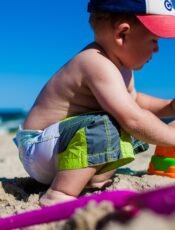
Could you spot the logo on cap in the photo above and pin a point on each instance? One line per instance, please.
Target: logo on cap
(168, 5)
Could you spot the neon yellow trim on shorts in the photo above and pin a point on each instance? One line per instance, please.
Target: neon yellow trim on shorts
(126, 145)
(75, 155)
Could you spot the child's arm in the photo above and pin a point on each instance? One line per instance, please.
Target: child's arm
(160, 107)
(107, 85)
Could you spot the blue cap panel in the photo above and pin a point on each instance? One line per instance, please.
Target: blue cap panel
(129, 6)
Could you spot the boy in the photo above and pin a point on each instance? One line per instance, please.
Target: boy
(80, 126)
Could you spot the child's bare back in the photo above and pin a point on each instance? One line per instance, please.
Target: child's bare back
(65, 95)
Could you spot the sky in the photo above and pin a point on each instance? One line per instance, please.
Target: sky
(38, 36)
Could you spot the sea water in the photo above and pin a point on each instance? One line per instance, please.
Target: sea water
(10, 119)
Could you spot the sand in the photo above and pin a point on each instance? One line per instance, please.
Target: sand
(19, 193)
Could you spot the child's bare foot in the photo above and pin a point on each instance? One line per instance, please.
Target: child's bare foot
(99, 185)
(52, 197)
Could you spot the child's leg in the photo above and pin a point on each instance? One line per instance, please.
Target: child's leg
(67, 185)
(101, 180)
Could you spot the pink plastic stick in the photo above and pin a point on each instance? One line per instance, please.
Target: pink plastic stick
(62, 211)
(161, 201)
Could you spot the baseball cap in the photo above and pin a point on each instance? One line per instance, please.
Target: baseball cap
(158, 16)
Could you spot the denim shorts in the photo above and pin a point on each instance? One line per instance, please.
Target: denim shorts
(81, 141)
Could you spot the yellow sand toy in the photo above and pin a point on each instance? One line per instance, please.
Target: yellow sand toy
(163, 162)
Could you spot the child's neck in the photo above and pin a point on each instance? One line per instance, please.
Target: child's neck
(110, 55)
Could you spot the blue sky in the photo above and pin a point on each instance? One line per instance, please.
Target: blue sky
(38, 36)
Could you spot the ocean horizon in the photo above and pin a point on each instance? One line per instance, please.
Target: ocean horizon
(10, 119)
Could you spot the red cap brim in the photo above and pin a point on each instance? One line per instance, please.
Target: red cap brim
(160, 25)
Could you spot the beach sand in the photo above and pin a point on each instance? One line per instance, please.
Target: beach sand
(19, 193)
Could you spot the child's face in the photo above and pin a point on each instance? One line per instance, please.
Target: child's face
(139, 46)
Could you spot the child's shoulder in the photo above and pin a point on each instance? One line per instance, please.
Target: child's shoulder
(94, 59)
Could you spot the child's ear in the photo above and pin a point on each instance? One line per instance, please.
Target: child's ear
(121, 31)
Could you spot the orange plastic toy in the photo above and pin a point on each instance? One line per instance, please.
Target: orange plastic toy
(163, 162)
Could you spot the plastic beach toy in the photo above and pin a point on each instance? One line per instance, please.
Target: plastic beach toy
(163, 162)
(63, 211)
(161, 201)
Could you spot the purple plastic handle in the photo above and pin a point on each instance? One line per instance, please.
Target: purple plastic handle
(62, 211)
(161, 201)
